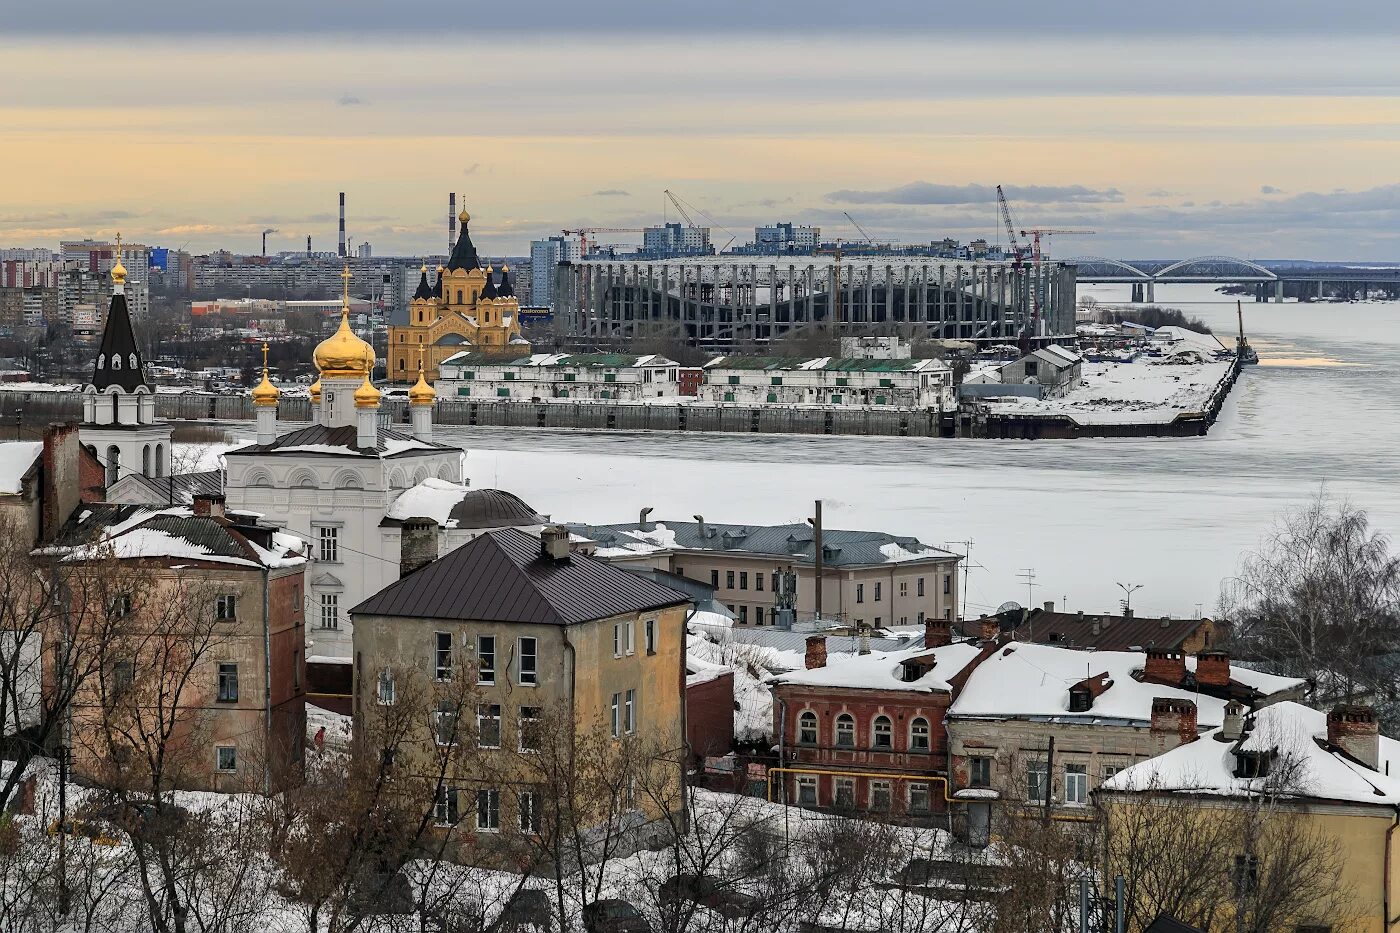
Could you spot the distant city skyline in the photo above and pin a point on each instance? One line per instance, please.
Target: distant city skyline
(1275, 138)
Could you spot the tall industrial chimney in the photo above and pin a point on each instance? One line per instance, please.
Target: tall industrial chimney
(308, 246)
(451, 221)
(342, 224)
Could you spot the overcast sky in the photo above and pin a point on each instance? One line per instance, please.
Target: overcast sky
(1260, 130)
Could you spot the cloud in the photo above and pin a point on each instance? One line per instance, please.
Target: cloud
(611, 193)
(471, 169)
(923, 192)
(1269, 189)
(349, 100)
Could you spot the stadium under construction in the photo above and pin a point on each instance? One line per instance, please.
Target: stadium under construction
(722, 305)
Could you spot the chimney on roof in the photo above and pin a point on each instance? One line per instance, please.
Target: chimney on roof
(700, 520)
(816, 651)
(1049, 605)
(1232, 728)
(1213, 668)
(418, 545)
(991, 628)
(60, 487)
(1165, 667)
(210, 504)
(642, 519)
(1094, 627)
(554, 542)
(1173, 722)
(1355, 731)
(937, 633)
(1081, 615)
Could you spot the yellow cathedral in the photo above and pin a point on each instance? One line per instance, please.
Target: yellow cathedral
(465, 307)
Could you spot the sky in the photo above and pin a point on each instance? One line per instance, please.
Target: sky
(1249, 129)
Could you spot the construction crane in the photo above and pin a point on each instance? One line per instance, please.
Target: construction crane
(1017, 257)
(685, 215)
(1037, 232)
(588, 243)
(836, 253)
(868, 238)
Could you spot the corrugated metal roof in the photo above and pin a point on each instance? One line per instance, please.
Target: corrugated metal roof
(832, 364)
(179, 488)
(1114, 633)
(344, 436)
(503, 576)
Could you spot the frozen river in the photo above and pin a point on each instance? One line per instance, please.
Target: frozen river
(1171, 514)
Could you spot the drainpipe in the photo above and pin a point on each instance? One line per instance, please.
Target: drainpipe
(1386, 920)
(267, 681)
(820, 555)
(782, 737)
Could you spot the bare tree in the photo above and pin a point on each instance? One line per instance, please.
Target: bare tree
(1321, 599)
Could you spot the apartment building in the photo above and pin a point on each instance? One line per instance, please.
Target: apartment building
(613, 376)
(868, 578)
(772, 380)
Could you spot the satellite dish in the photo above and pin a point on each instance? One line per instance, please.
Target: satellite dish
(1009, 606)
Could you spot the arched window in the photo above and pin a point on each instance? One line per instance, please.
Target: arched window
(807, 728)
(459, 296)
(114, 463)
(146, 460)
(116, 410)
(160, 460)
(845, 731)
(134, 364)
(918, 735)
(884, 733)
(116, 361)
(101, 360)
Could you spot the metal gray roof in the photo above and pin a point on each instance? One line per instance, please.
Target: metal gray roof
(344, 437)
(177, 489)
(503, 576)
(793, 542)
(788, 640)
(483, 508)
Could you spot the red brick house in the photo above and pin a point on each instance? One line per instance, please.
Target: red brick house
(709, 714)
(868, 733)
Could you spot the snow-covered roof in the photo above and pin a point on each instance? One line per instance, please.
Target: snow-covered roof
(1060, 355)
(1024, 679)
(753, 715)
(16, 459)
(129, 532)
(886, 671)
(1206, 343)
(455, 506)
(1298, 734)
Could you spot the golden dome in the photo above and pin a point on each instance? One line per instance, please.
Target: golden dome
(343, 354)
(265, 393)
(118, 270)
(464, 216)
(367, 396)
(421, 393)
(316, 391)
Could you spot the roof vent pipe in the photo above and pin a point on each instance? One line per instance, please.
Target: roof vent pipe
(700, 520)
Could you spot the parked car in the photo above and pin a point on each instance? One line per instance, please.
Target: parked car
(707, 892)
(613, 916)
(527, 911)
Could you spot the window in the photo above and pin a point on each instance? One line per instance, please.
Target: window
(1036, 781)
(845, 731)
(445, 724)
(884, 733)
(228, 682)
(947, 584)
(860, 592)
(488, 810)
(623, 641)
(729, 579)
(296, 669)
(226, 758)
(758, 582)
(630, 711)
(733, 380)
(918, 735)
(1246, 874)
(651, 636)
(616, 715)
(1109, 771)
(528, 807)
(758, 615)
(807, 728)
(948, 613)
(729, 396)
(903, 588)
(918, 797)
(743, 579)
(714, 578)
(919, 585)
(445, 808)
(530, 738)
(330, 610)
(609, 377)
(385, 691)
(979, 771)
(880, 795)
(123, 675)
(329, 539)
(121, 606)
(1080, 699)
(528, 661)
(226, 607)
(488, 725)
(743, 615)
(845, 792)
(877, 590)
(1076, 785)
(486, 659)
(775, 581)
(807, 791)
(776, 380)
(442, 655)
(1252, 764)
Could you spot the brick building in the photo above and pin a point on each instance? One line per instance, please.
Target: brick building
(709, 714)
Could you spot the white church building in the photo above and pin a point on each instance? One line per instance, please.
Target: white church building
(374, 501)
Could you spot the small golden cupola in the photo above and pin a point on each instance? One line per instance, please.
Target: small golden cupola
(421, 393)
(367, 396)
(344, 354)
(315, 390)
(265, 393)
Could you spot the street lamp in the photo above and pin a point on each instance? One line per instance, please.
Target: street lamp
(1129, 589)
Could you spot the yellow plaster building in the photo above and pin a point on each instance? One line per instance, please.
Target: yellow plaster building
(462, 307)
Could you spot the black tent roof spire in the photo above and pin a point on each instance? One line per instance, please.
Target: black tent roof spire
(464, 255)
(119, 361)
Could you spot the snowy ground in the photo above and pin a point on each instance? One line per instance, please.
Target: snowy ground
(1126, 393)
